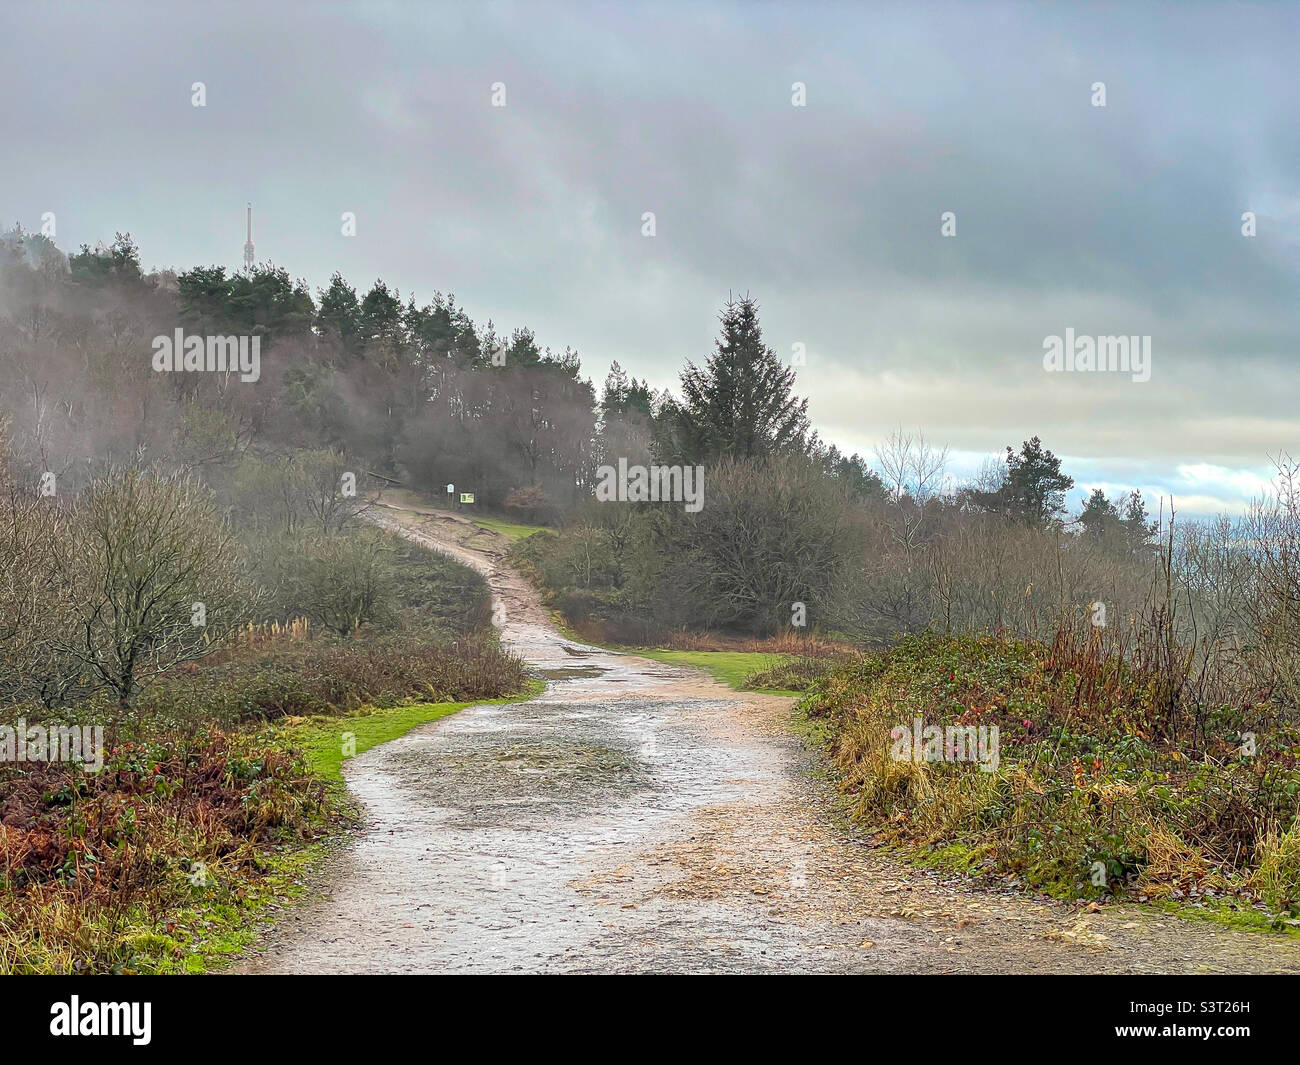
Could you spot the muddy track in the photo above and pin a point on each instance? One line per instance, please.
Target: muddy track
(638, 818)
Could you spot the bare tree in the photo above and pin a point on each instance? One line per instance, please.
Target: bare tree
(913, 472)
(772, 534)
(29, 597)
(329, 490)
(151, 578)
(1272, 603)
(340, 582)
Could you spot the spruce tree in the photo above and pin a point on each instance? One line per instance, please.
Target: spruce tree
(741, 403)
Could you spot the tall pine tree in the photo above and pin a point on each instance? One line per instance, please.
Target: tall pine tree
(741, 403)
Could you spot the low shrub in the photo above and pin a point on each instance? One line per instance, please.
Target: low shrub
(333, 676)
(1101, 785)
(90, 863)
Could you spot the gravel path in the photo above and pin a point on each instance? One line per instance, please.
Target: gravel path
(639, 818)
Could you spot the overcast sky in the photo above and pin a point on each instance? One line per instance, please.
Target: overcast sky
(1123, 219)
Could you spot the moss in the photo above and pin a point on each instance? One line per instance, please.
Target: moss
(213, 931)
(1229, 913)
(952, 858)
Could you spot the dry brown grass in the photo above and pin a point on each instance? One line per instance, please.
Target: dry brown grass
(1278, 871)
(1170, 861)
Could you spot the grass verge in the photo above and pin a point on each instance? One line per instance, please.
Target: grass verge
(511, 530)
(229, 930)
(171, 858)
(322, 738)
(732, 668)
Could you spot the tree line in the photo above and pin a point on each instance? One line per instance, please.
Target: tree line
(419, 394)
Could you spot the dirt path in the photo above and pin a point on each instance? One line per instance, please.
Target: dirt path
(636, 817)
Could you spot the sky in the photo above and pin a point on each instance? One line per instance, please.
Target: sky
(1117, 220)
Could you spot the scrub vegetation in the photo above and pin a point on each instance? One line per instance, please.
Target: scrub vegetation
(185, 561)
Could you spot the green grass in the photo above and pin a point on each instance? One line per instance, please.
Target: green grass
(509, 529)
(731, 668)
(321, 738)
(214, 930)
(219, 930)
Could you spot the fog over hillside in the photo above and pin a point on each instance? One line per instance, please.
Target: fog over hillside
(1117, 220)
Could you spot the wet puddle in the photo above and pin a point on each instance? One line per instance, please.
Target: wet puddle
(571, 672)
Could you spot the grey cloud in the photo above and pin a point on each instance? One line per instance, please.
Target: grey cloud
(1116, 220)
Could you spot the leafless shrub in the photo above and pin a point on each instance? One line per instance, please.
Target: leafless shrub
(1270, 602)
(147, 577)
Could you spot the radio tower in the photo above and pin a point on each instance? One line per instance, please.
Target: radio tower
(249, 258)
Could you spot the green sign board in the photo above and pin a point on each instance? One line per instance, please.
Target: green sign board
(467, 497)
